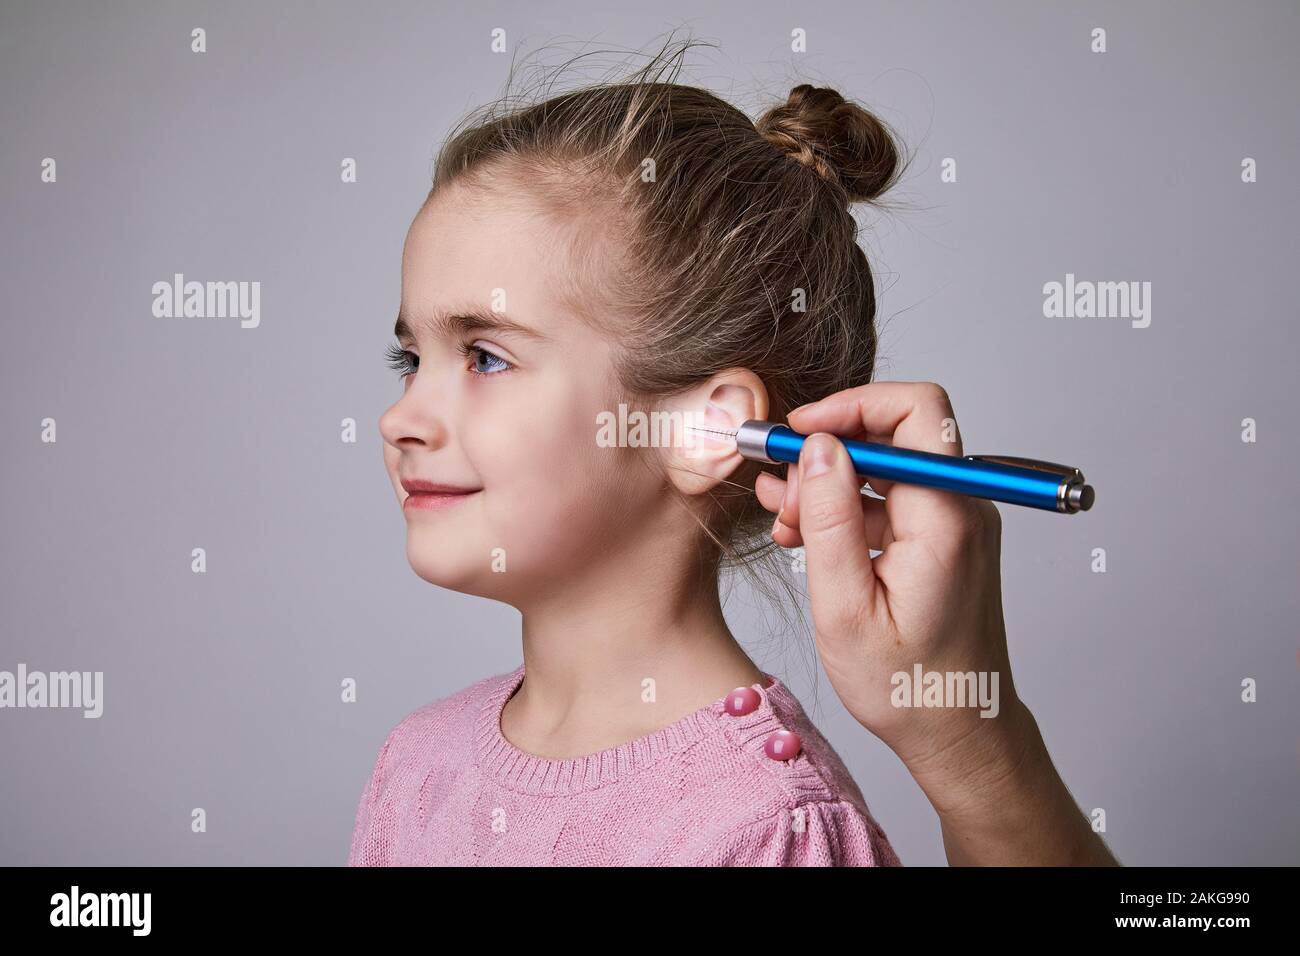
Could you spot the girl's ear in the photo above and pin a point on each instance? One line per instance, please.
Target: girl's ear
(725, 402)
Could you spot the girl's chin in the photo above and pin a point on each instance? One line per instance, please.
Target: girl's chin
(443, 577)
(452, 565)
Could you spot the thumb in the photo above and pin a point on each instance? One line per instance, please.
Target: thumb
(841, 580)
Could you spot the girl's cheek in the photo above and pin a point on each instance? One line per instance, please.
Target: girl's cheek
(534, 428)
(502, 451)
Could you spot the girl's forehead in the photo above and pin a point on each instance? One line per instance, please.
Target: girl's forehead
(494, 261)
(495, 251)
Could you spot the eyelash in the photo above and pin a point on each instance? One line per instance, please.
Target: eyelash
(404, 362)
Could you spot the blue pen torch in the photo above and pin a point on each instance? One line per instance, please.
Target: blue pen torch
(1017, 481)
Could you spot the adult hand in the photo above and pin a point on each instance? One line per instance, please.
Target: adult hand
(932, 597)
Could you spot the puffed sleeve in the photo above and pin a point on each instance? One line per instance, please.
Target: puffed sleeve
(370, 837)
(819, 833)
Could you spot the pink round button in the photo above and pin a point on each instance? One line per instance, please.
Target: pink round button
(742, 700)
(783, 745)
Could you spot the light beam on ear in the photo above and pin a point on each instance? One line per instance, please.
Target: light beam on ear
(714, 431)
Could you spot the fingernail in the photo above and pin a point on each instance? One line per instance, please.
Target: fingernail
(820, 450)
(802, 407)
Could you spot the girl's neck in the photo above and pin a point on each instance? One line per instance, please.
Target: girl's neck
(612, 667)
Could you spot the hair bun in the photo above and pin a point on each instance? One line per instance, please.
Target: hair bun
(839, 140)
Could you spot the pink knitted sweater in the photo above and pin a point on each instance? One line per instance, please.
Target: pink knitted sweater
(448, 789)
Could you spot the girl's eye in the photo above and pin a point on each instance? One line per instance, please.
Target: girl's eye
(485, 362)
(405, 363)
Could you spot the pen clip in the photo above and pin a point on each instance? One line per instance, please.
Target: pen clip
(1051, 467)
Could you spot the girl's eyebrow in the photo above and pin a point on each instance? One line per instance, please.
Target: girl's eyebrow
(463, 322)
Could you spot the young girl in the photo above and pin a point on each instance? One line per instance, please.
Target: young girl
(637, 245)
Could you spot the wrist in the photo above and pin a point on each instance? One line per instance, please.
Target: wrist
(992, 761)
(1002, 802)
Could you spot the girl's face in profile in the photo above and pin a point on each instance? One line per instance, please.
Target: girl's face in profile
(502, 386)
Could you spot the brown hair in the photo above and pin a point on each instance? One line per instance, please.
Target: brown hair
(702, 240)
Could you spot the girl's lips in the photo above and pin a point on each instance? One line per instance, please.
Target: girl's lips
(434, 501)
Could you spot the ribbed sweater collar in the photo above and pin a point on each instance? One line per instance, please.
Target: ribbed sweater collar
(529, 773)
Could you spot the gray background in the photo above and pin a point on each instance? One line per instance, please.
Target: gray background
(222, 689)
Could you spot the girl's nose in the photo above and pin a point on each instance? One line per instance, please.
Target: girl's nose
(414, 417)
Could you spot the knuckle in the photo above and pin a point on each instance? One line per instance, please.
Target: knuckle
(835, 617)
(983, 525)
(822, 515)
(974, 524)
(937, 394)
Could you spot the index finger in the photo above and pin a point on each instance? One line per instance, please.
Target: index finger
(887, 408)
(917, 415)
